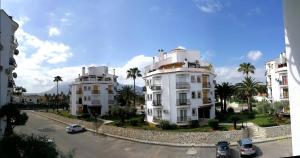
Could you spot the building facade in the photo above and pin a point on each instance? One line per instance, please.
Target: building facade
(292, 38)
(277, 79)
(8, 48)
(179, 87)
(93, 92)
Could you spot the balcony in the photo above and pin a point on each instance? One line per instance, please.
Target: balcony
(156, 103)
(110, 92)
(206, 85)
(183, 102)
(14, 41)
(206, 101)
(79, 91)
(183, 119)
(95, 102)
(12, 62)
(95, 92)
(284, 96)
(182, 85)
(155, 88)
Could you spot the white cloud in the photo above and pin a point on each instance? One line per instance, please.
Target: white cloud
(36, 59)
(209, 6)
(139, 61)
(230, 74)
(53, 31)
(254, 55)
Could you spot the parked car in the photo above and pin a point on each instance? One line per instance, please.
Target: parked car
(74, 128)
(222, 149)
(246, 147)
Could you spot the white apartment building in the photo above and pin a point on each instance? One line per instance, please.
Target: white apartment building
(179, 87)
(8, 47)
(277, 79)
(93, 92)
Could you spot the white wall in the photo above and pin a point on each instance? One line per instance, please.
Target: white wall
(292, 42)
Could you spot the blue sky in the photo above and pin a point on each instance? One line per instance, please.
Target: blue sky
(65, 35)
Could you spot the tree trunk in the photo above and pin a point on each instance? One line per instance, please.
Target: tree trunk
(249, 104)
(222, 109)
(57, 96)
(134, 92)
(225, 104)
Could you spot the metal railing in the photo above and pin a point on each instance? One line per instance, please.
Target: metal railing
(183, 102)
(284, 96)
(155, 87)
(183, 119)
(95, 102)
(206, 100)
(156, 103)
(95, 91)
(182, 85)
(79, 91)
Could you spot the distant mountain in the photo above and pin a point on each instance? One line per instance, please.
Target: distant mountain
(65, 88)
(62, 87)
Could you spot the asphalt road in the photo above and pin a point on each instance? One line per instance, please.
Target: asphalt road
(89, 145)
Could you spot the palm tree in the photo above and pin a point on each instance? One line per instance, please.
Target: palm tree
(134, 73)
(125, 95)
(57, 79)
(246, 68)
(248, 87)
(224, 91)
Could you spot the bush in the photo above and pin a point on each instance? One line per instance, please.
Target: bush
(263, 107)
(194, 123)
(230, 110)
(163, 124)
(134, 121)
(251, 115)
(213, 123)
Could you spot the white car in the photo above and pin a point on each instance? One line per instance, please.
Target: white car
(74, 128)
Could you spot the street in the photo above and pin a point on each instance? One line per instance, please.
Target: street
(89, 145)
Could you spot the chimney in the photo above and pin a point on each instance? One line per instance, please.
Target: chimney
(83, 71)
(153, 63)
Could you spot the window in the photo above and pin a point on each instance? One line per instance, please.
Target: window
(159, 114)
(84, 98)
(89, 88)
(84, 88)
(193, 95)
(193, 80)
(199, 79)
(194, 112)
(89, 98)
(199, 94)
(150, 96)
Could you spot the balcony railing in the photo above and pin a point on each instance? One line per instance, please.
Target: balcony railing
(206, 85)
(111, 101)
(95, 92)
(157, 88)
(182, 85)
(183, 119)
(95, 102)
(110, 92)
(156, 103)
(12, 62)
(282, 83)
(284, 96)
(79, 91)
(183, 102)
(206, 100)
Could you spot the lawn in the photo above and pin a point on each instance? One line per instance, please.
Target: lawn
(266, 120)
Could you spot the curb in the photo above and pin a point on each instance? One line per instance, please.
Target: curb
(165, 143)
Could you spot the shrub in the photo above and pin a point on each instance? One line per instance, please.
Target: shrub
(119, 123)
(263, 107)
(251, 115)
(230, 110)
(164, 124)
(194, 123)
(213, 123)
(134, 121)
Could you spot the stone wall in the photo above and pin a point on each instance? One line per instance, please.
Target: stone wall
(276, 131)
(174, 137)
